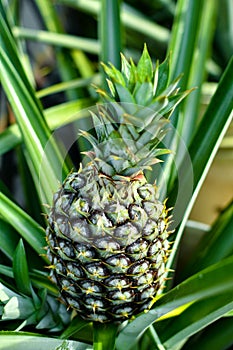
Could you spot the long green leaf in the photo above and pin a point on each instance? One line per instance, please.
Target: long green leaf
(215, 245)
(183, 37)
(56, 117)
(39, 279)
(131, 18)
(58, 39)
(224, 33)
(187, 34)
(68, 112)
(9, 44)
(65, 58)
(20, 269)
(29, 341)
(67, 61)
(198, 68)
(45, 164)
(110, 32)
(8, 239)
(6, 271)
(217, 336)
(9, 138)
(29, 229)
(67, 85)
(195, 318)
(35, 135)
(202, 151)
(214, 125)
(184, 47)
(212, 281)
(32, 203)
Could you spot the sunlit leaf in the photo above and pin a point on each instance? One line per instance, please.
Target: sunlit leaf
(195, 318)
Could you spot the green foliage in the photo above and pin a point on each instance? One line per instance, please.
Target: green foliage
(196, 313)
(27, 341)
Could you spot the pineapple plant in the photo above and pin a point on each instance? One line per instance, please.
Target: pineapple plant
(191, 312)
(107, 229)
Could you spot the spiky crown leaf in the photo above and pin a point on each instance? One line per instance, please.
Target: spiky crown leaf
(132, 121)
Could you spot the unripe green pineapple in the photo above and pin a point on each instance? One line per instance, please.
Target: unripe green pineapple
(107, 231)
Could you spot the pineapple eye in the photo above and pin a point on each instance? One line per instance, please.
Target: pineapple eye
(135, 212)
(79, 230)
(159, 265)
(123, 311)
(161, 225)
(75, 182)
(94, 302)
(120, 260)
(127, 233)
(126, 230)
(117, 213)
(57, 195)
(125, 295)
(90, 287)
(146, 192)
(84, 252)
(145, 279)
(49, 238)
(166, 245)
(74, 271)
(117, 281)
(61, 227)
(154, 249)
(50, 221)
(100, 220)
(107, 244)
(97, 317)
(65, 250)
(67, 286)
(63, 203)
(148, 292)
(138, 215)
(139, 246)
(73, 303)
(50, 256)
(162, 269)
(152, 209)
(83, 206)
(150, 230)
(138, 268)
(97, 270)
(79, 209)
(69, 251)
(60, 268)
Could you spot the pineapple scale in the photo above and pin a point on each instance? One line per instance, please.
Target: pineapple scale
(107, 244)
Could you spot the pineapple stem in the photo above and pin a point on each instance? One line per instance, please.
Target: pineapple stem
(104, 335)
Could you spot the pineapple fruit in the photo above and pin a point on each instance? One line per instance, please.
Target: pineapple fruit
(107, 231)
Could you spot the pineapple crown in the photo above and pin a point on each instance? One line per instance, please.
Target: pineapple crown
(133, 119)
